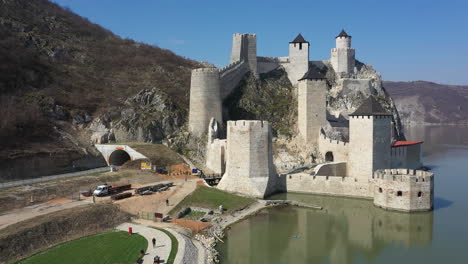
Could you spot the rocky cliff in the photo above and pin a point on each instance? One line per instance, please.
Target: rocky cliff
(65, 80)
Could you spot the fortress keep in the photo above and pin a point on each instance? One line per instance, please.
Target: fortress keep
(357, 150)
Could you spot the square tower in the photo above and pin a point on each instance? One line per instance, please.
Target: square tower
(369, 139)
(298, 58)
(343, 56)
(312, 105)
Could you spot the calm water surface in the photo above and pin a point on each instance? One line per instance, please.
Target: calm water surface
(354, 231)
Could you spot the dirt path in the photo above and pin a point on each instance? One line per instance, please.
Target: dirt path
(156, 202)
(28, 212)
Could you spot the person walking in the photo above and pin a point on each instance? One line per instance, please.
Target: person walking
(167, 202)
(154, 242)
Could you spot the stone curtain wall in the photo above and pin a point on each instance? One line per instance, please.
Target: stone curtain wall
(338, 148)
(231, 75)
(267, 64)
(329, 185)
(404, 189)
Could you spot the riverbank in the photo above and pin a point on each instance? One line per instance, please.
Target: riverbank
(213, 235)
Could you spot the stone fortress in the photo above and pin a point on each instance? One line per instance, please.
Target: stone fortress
(356, 150)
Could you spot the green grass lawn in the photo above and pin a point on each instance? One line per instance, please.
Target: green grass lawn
(107, 248)
(212, 198)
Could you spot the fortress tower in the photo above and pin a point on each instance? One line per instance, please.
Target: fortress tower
(244, 47)
(205, 100)
(249, 165)
(342, 57)
(369, 139)
(298, 58)
(404, 190)
(312, 107)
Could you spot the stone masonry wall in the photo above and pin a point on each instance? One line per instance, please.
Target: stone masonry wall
(298, 61)
(329, 185)
(267, 64)
(338, 148)
(205, 99)
(312, 109)
(343, 60)
(231, 75)
(249, 166)
(360, 147)
(404, 189)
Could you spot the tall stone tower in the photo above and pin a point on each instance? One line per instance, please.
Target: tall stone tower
(343, 57)
(369, 139)
(249, 166)
(298, 58)
(312, 105)
(244, 47)
(205, 100)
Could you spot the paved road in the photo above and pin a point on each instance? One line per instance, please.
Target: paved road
(25, 213)
(52, 177)
(163, 241)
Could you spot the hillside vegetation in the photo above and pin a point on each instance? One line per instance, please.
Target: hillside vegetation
(59, 71)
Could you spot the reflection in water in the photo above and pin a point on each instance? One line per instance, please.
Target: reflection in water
(354, 231)
(344, 230)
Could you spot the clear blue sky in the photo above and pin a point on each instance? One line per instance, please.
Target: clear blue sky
(403, 39)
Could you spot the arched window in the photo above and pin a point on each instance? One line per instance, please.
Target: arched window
(399, 193)
(380, 190)
(329, 156)
(419, 194)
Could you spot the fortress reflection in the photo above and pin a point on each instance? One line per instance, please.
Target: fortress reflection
(345, 230)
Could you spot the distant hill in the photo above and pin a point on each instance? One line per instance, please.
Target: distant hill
(430, 103)
(58, 72)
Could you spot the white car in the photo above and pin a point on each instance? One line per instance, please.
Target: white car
(101, 190)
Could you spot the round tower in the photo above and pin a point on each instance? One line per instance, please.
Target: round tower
(343, 40)
(205, 100)
(369, 139)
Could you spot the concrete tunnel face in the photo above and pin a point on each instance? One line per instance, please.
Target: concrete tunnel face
(119, 157)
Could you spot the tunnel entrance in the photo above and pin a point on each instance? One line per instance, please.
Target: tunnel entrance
(118, 157)
(329, 156)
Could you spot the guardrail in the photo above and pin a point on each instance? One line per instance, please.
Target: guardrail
(52, 177)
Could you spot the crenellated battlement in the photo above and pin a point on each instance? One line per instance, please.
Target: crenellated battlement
(248, 124)
(205, 70)
(273, 59)
(404, 175)
(230, 66)
(332, 141)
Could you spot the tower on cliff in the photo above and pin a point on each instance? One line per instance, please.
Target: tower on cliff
(244, 47)
(298, 58)
(205, 100)
(369, 139)
(343, 57)
(312, 106)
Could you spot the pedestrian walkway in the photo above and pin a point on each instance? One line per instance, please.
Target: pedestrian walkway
(163, 241)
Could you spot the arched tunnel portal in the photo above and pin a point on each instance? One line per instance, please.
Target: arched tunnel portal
(119, 157)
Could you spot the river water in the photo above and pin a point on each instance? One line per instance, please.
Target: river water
(354, 231)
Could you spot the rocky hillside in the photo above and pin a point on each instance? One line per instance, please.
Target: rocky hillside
(61, 74)
(423, 102)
